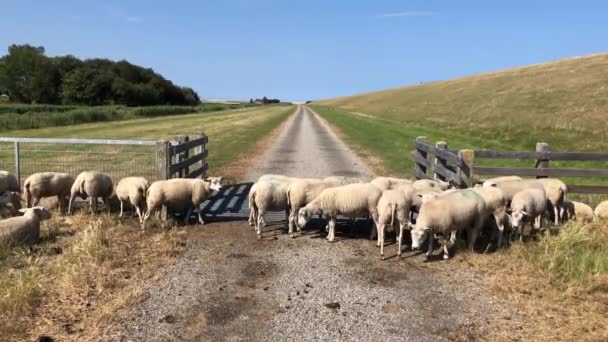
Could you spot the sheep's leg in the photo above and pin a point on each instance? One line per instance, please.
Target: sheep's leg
(332, 229)
(291, 219)
(473, 233)
(137, 210)
(380, 243)
(70, 204)
(188, 214)
(93, 205)
(200, 216)
(449, 244)
(259, 222)
(122, 208)
(287, 213)
(556, 214)
(429, 252)
(400, 239)
(36, 201)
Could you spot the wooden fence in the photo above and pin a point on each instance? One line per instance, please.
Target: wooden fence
(184, 157)
(459, 166)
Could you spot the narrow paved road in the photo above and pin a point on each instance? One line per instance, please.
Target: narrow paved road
(231, 287)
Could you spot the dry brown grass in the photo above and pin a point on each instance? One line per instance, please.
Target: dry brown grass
(559, 284)
(70, 285)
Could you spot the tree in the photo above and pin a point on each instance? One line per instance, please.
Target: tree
(30, 75)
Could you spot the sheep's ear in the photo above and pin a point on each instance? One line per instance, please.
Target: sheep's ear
(23, 210)
(525, 213)
(419, 195)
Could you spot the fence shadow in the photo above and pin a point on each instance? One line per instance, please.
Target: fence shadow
(228, 204)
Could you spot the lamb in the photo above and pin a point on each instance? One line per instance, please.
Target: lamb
(8, 182)
(47, 184)
(526, 205)
(496, 203)
(349, 200)
(132, 190)
(601, 211)
(23, 229)
(268, 195)
(447, 215)
(555, 191)
(431, 184)
(179, 194)
(92, 184)
(393, 203)
(578, 211)
(388, 183)
(300, 193)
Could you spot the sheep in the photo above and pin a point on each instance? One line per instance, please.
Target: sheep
(349, 200)
(300, 193)
(578, 211)
(447, 215)
(501, 179)
(268, 195)
(179, 194)
(344, 180)
(8, 182)
(92, 184)
(419, 194)
(555, 191)
(23, 229)
(511, 187)
(132, 190)
(388, 183)
(47, 184)
(393, 203)
(496, 203)
(432, 184)
(528, 204)
(601, 211)
(12, 198)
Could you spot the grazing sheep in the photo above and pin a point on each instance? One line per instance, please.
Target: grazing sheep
(351, 200)
(501, 179)
(555, 190)
(526, 205)
(388, 183)
(8, 182)
(92, 184)
(132, 190)
(431, 184)
(578, 211)
(446, 215)
(601, 211)
(180, 194)
(47, 184)
(511, 187)
(268, 195)
(393, 204)
(300, 193)
(13, 199)
(23, 229)
(496, 203)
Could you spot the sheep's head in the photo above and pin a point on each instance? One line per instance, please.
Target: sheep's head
(41, 212)
(418, 236)
(215, 183)
(12, 198)
(304, 215)
(518, 216)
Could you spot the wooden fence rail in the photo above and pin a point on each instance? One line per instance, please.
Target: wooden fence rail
(458, 166)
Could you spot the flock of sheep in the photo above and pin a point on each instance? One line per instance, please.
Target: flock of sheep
(175, 194)
(432, 210)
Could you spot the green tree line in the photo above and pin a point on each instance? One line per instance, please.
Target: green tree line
(27, 75)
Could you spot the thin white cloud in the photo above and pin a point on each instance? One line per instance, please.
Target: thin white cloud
(134, 19)
(407, 14)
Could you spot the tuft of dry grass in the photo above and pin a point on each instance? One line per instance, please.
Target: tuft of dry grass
(70, 285)
(559, 284)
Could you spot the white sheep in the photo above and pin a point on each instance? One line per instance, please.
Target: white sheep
(300, 193)
(496, 203)
(393, 204)
(47, 184)
(268, 195)
(92, 184)
(23, 229)
(511, 187)
(501, 179)
(578, 211)
(388, 183)
(179, 194)
(555, 190)
(8, 182)
(601, 211)
(431, 184)
(342, 180)
(132, 190)
(527, 205)
(446, 215)
(353, 200)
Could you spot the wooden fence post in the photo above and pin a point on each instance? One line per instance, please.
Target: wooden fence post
(18, 164)
(542, 163)
(203, 150)
(441, 145)
(465, 169)
(163, 162)
(178, 157)
(422, 154)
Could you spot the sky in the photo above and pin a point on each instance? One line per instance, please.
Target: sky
(313, 49)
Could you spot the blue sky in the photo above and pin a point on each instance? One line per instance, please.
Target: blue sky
(299, 50)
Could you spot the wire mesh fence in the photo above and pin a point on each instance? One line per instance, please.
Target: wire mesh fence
(119, 159)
